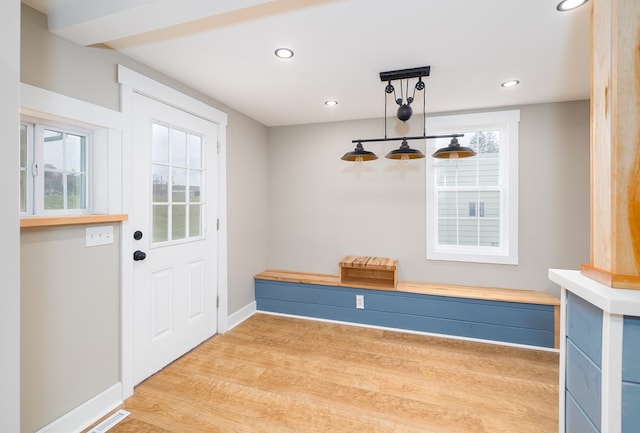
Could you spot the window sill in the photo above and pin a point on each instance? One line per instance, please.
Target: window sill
(29, 222)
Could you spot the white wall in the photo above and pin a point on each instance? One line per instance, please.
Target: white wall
(322, 208)
(9, 229)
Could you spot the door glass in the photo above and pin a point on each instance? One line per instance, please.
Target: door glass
(177, 179)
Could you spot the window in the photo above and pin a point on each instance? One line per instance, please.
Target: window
(472, 203)
(53, 169)
(178, 174)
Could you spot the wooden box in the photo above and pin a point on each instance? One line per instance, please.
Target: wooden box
(369, 272)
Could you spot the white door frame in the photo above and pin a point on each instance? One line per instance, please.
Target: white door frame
(130, 82)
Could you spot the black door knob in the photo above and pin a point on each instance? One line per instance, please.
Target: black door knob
(137, 235)
(139, 255)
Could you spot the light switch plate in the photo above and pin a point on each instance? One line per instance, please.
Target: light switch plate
(98, 235)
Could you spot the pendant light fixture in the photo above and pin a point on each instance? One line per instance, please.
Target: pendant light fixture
(454, 150)
(404, 113)
(359, 155)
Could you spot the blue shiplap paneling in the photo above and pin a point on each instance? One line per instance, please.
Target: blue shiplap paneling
(630, 407)
(491, 320)
(584, 327)
(584, 382)
(576, 421)
(631, 350)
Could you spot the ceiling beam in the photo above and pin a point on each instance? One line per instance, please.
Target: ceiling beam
(90, 22)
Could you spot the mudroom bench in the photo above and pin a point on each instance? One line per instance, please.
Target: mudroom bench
(526, 317)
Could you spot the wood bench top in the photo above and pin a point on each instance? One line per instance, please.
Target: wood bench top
(452, 290)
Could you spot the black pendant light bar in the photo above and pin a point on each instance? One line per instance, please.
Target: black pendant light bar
(404, 101)
(419, 137)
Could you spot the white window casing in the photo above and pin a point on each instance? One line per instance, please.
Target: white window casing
(504, 251)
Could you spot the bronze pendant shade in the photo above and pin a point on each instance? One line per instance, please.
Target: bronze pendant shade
(359, 155)
(454, 150)
(404, 152)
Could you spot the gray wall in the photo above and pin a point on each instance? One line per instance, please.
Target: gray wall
(322, 208)
(9, 224)
(89, 74)
(70, 303)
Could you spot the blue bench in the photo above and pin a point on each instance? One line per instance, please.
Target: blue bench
(516, 316)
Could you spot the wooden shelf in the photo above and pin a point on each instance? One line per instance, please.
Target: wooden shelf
(29, 222)
(369, 272)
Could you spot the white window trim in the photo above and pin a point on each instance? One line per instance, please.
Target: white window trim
(463, 123)
(35, 203)
(106, 128)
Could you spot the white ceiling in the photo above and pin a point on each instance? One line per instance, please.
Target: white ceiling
(224, 49)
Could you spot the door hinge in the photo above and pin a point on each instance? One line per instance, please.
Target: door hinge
(218, 147)
(217, 301)
(218, 224)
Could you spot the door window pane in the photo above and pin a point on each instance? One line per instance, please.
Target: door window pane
(195, 220)
(195, 151)
(160, 223)
(178, 148)
(178, 180)
(160, 143)
(179, 185)
(195, 182)
(160, 184)
(178, 222)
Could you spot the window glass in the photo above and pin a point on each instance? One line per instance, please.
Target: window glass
(177, 179)
(23, 167)
(64, 162)
(53, 169)
(472, 202)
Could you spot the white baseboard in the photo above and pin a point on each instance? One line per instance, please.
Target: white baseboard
(241, 315)
(87, 413)
(410, 331)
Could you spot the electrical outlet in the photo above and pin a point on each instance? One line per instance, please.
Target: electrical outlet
(360, 302)
(98, 235)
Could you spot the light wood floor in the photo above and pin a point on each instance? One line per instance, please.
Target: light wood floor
(278, 374)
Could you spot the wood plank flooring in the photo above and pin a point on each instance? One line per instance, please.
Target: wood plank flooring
(280, 374)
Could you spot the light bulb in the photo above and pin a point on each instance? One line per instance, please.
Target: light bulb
(359, 159)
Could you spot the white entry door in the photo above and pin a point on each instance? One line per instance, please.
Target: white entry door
(174, 223)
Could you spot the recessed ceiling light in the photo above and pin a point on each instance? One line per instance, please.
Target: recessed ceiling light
(567, 5)
(284, 53)
(331, 102)
(510, 83)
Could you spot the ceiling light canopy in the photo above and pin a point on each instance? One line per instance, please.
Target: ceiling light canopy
(510, 83)
(404, 113)
(567, 5)
(283, 53)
